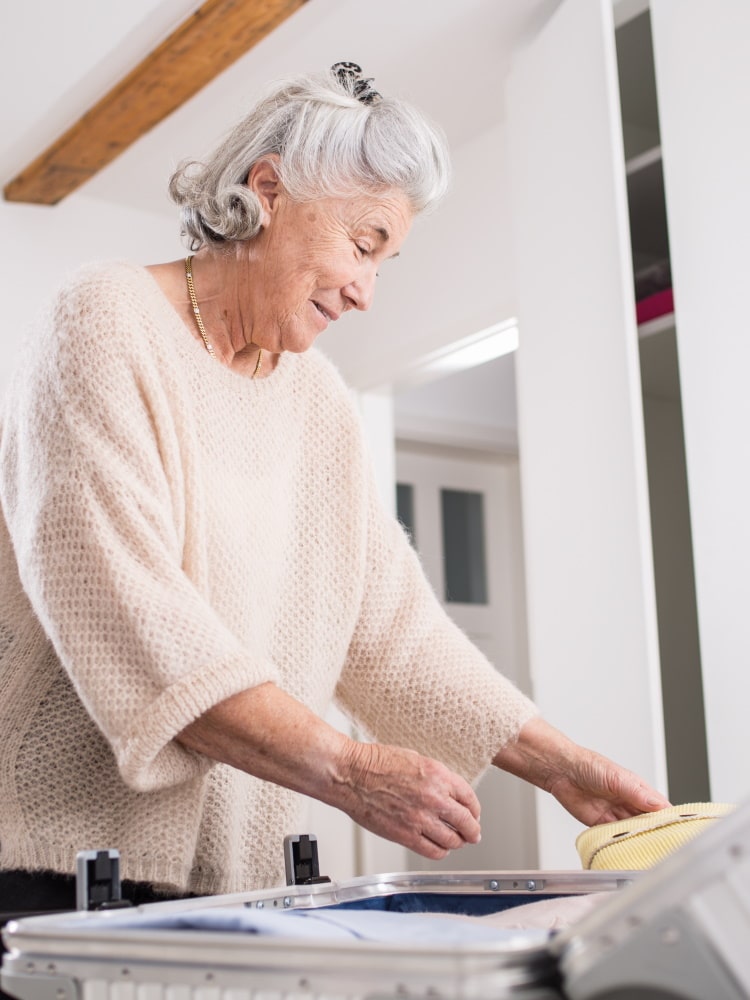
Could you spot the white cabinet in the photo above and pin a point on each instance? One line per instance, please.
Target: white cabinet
(679, 647)
(703, 86)
(593, 643)
(685, 89)
(594, 577)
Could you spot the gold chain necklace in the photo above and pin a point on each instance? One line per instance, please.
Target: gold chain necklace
(199, 319)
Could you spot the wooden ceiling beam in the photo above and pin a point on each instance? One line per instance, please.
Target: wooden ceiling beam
(210, 40)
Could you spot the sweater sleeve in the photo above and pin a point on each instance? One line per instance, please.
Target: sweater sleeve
(98, 533)
(412, 677)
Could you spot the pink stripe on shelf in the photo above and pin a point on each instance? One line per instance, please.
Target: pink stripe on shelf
(658, 304)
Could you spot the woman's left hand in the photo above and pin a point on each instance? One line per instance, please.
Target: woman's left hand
(591, 787)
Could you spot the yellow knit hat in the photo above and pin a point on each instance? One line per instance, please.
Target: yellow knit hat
(642, 841)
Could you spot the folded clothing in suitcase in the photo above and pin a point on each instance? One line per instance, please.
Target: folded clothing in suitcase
(340, 924)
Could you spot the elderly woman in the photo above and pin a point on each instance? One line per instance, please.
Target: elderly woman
(195, 562)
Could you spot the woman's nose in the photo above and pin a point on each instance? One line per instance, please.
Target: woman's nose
(361, 291)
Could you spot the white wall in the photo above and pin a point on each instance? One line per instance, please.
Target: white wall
(706, 151)
(40, 245)
(474, 408)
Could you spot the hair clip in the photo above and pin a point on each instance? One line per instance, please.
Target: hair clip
(350, 77)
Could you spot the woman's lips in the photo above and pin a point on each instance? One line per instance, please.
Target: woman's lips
(329, 316)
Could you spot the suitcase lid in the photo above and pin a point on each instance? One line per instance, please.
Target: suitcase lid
(682, 929)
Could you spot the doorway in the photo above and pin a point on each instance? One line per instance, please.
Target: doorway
(461, 504)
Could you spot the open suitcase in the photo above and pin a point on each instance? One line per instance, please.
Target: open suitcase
(677, 932)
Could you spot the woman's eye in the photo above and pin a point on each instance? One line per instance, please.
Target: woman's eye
(363, 250)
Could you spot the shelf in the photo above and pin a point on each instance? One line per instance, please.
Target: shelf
(643, 160)
(637, 78)
(657, 325)
(648, 213)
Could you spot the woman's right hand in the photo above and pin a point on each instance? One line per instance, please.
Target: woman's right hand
(396, 793)
(413, 800)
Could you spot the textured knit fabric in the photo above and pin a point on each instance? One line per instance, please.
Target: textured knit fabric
(172, 534)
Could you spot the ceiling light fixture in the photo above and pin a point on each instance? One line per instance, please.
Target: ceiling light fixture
(490, 343)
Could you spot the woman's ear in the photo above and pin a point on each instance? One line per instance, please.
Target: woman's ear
(263, 181)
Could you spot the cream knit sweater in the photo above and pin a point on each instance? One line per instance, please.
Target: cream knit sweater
(173, 533)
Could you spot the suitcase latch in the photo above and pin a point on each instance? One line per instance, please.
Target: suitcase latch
(98, 881)
(301, 860)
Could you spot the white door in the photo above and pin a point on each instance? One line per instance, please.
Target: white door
(463, 508)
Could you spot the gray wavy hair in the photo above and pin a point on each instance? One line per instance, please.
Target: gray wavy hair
(334, 136)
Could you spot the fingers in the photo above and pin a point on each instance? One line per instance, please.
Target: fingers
(647, 799)
(439, 835)
(466, 796)
(628, 794)
(413, 800)
(596, 790)
(438, 823)
(447, 810)
(461, 820)
(445, 836)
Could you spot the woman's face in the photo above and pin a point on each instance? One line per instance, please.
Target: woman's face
(316, 260)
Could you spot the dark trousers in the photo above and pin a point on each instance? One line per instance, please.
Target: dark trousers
(25, 893)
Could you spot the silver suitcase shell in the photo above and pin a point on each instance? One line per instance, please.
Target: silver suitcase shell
(101, 956)
(678, 932)
(682, 931)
